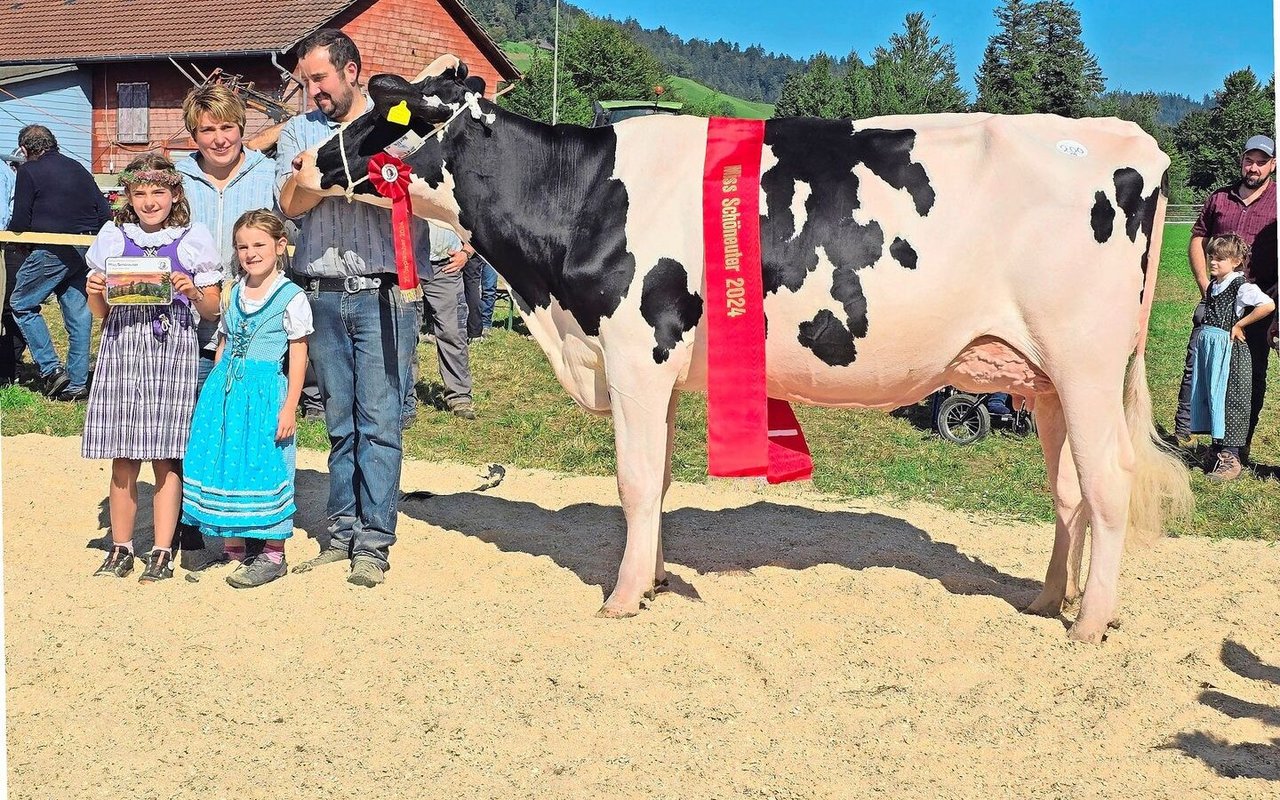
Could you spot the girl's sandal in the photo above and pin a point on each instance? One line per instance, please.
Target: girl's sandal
(159, 567)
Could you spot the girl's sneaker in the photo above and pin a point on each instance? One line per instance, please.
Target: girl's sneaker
(118, 563)
(159, 567)
(257, 571)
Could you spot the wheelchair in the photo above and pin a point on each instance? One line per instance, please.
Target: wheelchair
(965, 418)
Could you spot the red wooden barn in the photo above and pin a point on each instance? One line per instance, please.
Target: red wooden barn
(129, 58)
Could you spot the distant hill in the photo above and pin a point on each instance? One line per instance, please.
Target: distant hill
(749, 73)
(695, 93)
(1173, 107)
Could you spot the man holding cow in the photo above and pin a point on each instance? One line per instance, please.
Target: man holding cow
(1248, 209)
(346, 259)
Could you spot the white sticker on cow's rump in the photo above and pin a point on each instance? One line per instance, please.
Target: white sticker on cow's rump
(1070, 147)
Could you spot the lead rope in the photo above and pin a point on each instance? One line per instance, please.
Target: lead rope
(472, 104)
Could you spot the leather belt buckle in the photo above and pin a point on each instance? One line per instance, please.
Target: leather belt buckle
(358, 283)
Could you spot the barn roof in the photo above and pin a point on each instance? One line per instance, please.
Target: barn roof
(85, 31)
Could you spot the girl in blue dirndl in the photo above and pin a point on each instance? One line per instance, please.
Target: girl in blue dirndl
(1222, 369)
(237, 480)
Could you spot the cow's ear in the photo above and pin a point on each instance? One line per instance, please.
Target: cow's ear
(475, 84)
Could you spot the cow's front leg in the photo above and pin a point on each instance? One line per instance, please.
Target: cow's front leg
(643, 423)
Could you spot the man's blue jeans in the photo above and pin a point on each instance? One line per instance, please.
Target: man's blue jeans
(355, 352)
(57, 271)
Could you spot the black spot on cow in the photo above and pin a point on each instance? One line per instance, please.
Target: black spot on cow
(822, 154)
(829, 339)
(1102, 218)
(905, 254)
(557, 250)
(1129, 198)
(888, 155)
(667, 304)
(1148, 225)
(525, 214)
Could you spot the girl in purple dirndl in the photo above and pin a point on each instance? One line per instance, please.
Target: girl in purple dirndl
(144, 386)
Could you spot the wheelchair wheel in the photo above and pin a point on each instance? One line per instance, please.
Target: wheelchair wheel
(1024, 424)
(962, 419)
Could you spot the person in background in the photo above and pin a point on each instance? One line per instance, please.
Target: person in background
(11, 342)
(55, 194)
(1246, 208)
(480, 282)
(442, 299)
(1222, 372)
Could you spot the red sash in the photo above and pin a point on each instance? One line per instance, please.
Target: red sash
(748, 433)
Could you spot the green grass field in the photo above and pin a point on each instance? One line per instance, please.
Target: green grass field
(526, 419)
(520, 53)
(695, 93)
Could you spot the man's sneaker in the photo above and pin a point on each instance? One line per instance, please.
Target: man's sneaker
(117, 564)
(256, 572)
(1228, 468)
(159, 567)
(51, 385)
(464, 409)
(331, 555)
(73, 395)
(365, 572)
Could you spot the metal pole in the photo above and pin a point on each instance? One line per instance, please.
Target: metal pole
(555, 69)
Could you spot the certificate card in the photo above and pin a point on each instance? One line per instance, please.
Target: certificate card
(145, 281)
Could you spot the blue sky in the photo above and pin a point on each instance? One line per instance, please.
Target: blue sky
(1157, 45)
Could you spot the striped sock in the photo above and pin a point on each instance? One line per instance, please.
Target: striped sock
(273, 551)
(235, 552)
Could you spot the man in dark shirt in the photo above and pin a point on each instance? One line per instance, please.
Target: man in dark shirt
(1246, 208)
(55, 194)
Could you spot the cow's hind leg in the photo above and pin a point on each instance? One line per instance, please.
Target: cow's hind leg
(642, 423)
(660, 565)
(1099, 440)
(1062, 578)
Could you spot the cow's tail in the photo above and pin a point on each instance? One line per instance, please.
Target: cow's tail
(1161, 486)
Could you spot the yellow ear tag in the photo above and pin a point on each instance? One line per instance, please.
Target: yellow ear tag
(399, 114)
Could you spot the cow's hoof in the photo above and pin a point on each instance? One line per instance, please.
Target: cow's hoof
(1045, 606)
(1088, 634)
(1071, 603)
(606, 612)
(658, 588)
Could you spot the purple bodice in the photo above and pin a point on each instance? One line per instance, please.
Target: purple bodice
(170, 251)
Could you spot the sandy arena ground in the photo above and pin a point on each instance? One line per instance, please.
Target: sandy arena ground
(810, 648)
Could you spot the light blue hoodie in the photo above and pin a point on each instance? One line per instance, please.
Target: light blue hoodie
(252, 186)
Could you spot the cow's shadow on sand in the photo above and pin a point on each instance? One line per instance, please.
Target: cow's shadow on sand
(1250, 759)
(587, 538)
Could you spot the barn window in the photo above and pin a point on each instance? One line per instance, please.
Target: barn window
(133, 102)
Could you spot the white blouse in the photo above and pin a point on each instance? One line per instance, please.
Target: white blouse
(1248, 296)
(197, 253)
(297, 312)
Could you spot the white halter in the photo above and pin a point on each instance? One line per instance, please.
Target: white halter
(470, 103)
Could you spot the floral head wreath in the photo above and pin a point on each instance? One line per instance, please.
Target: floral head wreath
(158, 177)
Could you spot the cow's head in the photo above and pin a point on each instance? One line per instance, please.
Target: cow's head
(440, 102)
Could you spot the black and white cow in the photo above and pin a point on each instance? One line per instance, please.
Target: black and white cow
(900, 254)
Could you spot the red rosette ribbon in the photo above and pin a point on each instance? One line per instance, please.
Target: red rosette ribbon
(390, 177)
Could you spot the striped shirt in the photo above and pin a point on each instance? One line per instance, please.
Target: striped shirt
(1224, 212)
(337, 238)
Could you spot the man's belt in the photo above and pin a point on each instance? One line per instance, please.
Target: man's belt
(353, 283)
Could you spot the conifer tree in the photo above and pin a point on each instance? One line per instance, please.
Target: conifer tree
(1067, 76)
(916, 73)
(1007, 78)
